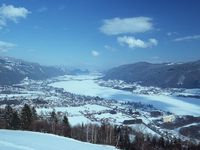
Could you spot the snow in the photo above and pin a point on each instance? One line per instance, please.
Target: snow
(75, 114)
(187, 92)
(14, 95)
(188, 125)
(144, 129)
(86, 85)
(75, 111)
(78, 120)
(23, 93)
(8, 67)
(175, 105)
(26, 140)
(113, 118)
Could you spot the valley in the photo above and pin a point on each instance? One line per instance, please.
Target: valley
(91, 75)
(84, 101)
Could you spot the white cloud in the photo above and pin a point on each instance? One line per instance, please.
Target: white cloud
(132, 42)
(193, 37)
(152, 42)
(5, 46)
(94, 53)
(171, 33)
(11, 13)
(42, 9)
(117, 26)
(108, 47)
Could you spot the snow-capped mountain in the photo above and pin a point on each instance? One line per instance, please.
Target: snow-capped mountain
(165, 75)
(14, 70)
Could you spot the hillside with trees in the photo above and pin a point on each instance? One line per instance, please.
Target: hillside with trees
(164, 75)
(122, 137)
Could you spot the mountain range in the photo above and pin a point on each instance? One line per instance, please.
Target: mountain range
(13, 70)
(164, 75)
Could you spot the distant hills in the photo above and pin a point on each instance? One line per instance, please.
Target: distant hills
(165, 75)
(14, 70)
(76, 71)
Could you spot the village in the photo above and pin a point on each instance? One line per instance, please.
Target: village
(81, 109)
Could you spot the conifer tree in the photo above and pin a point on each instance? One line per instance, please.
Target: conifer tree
(15, 122)
(53, 121)
(66, 122)
(26, 117)
(8, 116)
(34, 113)
(67, 127)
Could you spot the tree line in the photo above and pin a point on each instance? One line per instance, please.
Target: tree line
(122, 137)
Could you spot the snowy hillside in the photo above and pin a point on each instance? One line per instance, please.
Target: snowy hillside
(26, 140)
(164, 75)
(13, 70)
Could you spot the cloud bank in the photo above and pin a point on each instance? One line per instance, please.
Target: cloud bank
(11, 13)
(117, 26)
(193, 37)
(94, 53)
(132, 42)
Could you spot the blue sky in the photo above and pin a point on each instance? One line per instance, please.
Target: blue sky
(100, 33)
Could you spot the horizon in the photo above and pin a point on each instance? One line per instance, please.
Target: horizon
(100, 34)
(93, 69)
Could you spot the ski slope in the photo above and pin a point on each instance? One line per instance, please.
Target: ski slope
(27, 140)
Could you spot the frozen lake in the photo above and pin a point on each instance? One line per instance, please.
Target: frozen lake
(85, 85)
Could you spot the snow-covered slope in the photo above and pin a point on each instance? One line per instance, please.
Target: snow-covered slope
(13, 70)
(164, 75)
(26, 140)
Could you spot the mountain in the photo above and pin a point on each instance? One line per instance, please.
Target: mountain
(165, 75)
(77, 71)
(14, 70)
(26, 140)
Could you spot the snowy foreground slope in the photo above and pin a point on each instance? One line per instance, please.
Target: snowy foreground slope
(26, 140)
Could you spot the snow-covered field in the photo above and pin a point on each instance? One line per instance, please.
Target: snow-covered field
(78, 120)
(114, 118)
(86, 85)
(75, 114)
(26, 140)
(74, 111)
(143, 129)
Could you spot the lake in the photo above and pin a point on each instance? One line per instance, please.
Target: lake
(86, 85)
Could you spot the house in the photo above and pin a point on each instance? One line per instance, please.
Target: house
(132, 121)
(169, 118)
(155, 113)
(113, 112)
(136, 113)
